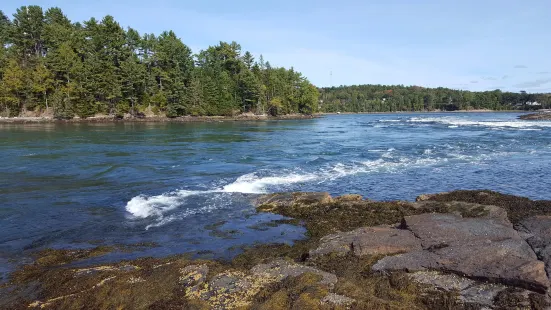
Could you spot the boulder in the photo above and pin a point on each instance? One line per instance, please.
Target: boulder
(288, 200)
(441, 230)
(379, 240)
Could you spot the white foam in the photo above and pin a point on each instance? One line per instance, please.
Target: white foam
(454, 121)
(155, 206)
(252, 184)
(161, 209)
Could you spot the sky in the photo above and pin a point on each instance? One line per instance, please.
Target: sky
(462, 44)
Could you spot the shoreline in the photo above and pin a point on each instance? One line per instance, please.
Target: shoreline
(157, 119)
(399, 256)
(211, 119)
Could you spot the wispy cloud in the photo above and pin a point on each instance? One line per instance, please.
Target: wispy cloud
(520, 67)
(505, 77)
(474, 82)
(544, 72)
(489, 78)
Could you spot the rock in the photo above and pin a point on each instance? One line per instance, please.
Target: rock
(379, 240)
(337, 300)
(440, 230)
(288, 200)
(410, 262)
(464, 209)
(538, 230)
(349, 198)
(193, 275)
(536, 116)
(280, 269)
(425, 197)
(481, 294)
(471, 292)
(236, 289)
(448, 282)
(510, 262)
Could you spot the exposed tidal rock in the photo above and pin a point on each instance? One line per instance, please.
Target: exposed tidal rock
(478, 248)
(473, 293)
(379, 240)
(287, 200)
(464, 209)
(441, 230)
(235, 289)
(337, 300)
(349, 197)
(538, 230)
(280, 269)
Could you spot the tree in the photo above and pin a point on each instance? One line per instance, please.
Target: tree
(12, 88)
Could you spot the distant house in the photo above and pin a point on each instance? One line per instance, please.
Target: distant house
(532, 103)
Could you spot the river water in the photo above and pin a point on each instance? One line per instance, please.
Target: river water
(188, 187)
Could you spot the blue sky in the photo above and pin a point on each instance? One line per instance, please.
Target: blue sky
(462, 44)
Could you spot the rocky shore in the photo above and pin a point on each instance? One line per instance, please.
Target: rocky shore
(542, 116)
(457, 250)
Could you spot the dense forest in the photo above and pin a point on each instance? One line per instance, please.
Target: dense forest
(391, 98)
(50, 65)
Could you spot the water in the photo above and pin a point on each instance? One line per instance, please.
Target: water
(188, 187)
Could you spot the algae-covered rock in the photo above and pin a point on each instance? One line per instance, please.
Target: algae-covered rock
(349, 197)
(288, 200)
(280, 269)
(337, 300)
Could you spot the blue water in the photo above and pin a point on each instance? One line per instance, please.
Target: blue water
(81, 185)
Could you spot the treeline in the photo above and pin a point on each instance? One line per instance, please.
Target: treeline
(392, 98)
(49, 64)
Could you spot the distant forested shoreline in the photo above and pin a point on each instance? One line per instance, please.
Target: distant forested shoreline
(55, 68)
(400, 98)
(50, 65)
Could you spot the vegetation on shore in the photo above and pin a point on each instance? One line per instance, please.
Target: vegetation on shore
(50, 65)
(395, 98)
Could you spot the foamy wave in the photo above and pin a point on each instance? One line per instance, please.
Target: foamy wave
(453, 121)
(253, 184)
(155, 206)
(161, 209)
